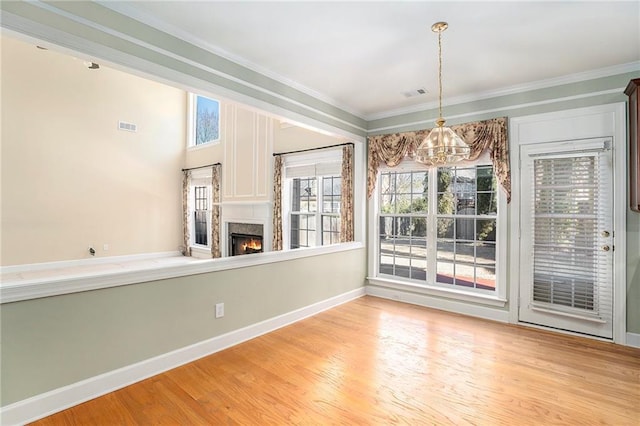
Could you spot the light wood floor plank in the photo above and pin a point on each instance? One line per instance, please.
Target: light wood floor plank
(375, 361)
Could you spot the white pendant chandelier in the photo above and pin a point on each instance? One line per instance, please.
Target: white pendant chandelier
(442, 145)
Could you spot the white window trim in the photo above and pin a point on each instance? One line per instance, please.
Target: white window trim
(310, 160)
(191, 123)
(200, 177)
(498, 298)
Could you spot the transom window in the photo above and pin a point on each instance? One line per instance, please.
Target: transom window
(438, 227)
(204, 119)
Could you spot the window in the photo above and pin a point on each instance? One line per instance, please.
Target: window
(306, 197)
(200, 208)
(201, 213)
(438, 227)
(205, 120)
(312, 191)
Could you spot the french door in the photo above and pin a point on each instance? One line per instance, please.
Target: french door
(566, 236)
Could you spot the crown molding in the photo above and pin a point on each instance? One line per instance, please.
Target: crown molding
(511, 90)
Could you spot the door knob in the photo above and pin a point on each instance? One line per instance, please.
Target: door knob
(605, 234)
(605, 248)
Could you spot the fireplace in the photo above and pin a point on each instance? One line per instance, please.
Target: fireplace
(240, 244)
(244, 238)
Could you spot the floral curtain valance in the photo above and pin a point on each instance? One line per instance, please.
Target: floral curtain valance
(489, 135)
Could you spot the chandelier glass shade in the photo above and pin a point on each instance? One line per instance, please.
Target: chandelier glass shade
(442, 145)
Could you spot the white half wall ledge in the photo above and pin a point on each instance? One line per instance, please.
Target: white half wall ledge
(48, 403)
(25, 289)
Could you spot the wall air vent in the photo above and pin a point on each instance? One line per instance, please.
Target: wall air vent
(415, 92)
(128, 127)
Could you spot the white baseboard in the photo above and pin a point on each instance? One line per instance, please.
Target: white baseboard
(440, 303)
(633, 339)
(45, 404)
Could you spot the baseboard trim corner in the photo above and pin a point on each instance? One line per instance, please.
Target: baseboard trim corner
(633, 340)
(45, 404)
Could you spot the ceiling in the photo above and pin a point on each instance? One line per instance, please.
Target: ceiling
(365, 56)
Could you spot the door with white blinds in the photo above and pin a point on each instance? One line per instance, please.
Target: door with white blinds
(566, 262)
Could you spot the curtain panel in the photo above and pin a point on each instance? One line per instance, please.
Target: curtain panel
(277, 203)
(216, 173)
(186, 217)
(391, 149)
(346, 201)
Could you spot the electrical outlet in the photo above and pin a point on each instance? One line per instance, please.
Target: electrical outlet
(105, 247)
(219, 310)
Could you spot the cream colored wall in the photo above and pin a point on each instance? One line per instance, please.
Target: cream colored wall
(70, 178)
(290, 138)
(247, 168)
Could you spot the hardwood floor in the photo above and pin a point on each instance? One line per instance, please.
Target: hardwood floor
(375, 361)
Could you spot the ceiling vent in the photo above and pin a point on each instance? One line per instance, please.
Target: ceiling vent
(415, 92)
(128, 127)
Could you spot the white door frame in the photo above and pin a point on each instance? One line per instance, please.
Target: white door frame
(581, 123)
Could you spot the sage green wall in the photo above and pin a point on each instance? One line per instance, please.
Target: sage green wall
(633, 271)
(56, 341)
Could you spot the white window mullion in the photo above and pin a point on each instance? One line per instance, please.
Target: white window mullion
(432, 221)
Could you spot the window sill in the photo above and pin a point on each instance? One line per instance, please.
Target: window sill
(25, 282)
(465, 296)
(201, 252)
(202, 145)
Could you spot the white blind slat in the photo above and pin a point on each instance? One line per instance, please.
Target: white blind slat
(570, 270)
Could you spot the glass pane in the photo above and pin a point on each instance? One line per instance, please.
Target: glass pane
(418, 259)
(486, 278)
(419, 204)
(465, 229)
(466, 203)
(337, 186)
(445, 228)
(386, 204)
(403, 226)
(419, 227)
(384, 183)
(487, 203)
(327, 187)
(486, 178)
(445, 250)
(419, 183)
(386, 226)
(446, 203)
(486, 255)
(207, 120)
(465, 180)
(445, 179)
(444, 272)
(403, 203)
(486, 230)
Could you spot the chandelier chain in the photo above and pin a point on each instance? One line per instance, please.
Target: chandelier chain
(440, 71)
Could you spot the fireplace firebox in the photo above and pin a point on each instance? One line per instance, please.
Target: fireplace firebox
(244, 244)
